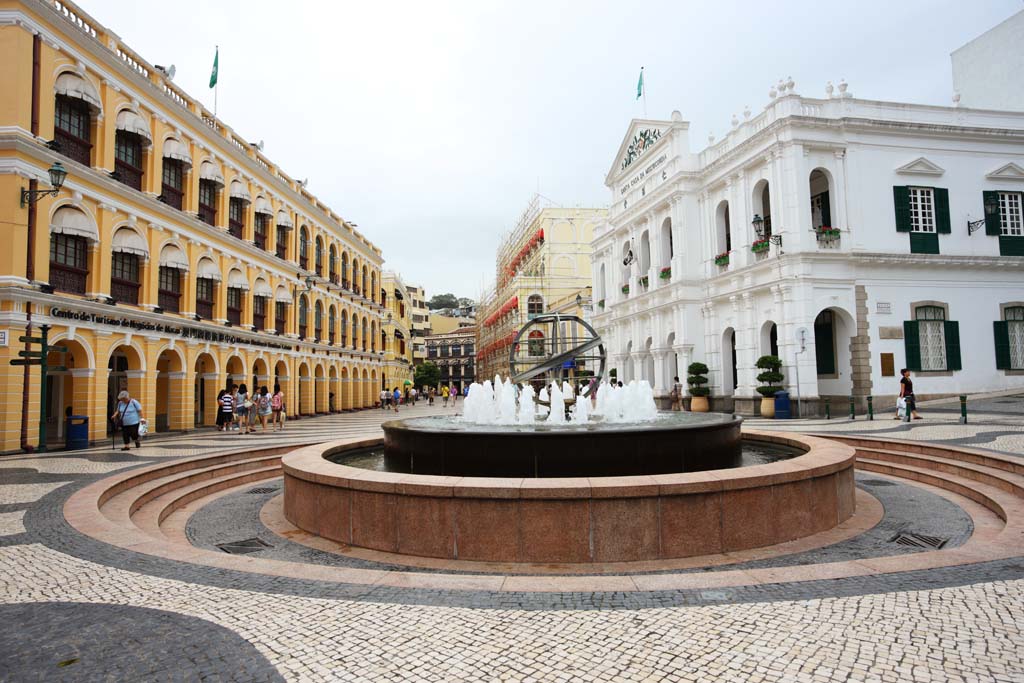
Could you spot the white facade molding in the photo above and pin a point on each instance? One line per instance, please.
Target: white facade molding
(920, 166)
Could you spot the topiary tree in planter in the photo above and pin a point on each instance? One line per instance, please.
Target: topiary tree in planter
(769, 379)
(698, 377)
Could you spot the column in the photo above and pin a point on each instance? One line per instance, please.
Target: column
(662, 384)
(746, 347)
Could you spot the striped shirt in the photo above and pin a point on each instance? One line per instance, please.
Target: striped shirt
(227, 403)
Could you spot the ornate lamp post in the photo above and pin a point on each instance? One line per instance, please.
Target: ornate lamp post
(57, 175)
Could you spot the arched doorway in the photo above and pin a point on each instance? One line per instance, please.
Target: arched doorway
(320, 389)
(648, 369)
(305, 391)
(170, 411)
(205, 391)
(282, 380)
(364, 390)
(346, 390)
(260, 376)
(69, 389)
(235, 370)
(833, 330)
(125, 371)
(729, 362)
(333, 391)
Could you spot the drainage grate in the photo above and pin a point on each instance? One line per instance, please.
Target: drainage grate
(918, 540)
(878, 482)
(263, 489)
(249, 545)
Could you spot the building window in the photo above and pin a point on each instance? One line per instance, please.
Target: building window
(319, 257)
(431, 352)
(128, 158)
(922, 209)
(259, 313)
(1011, 223)
(534, 305)
(344, 328)
(535, 344)
(303, 316)
(259, 235)
(332, 266)
(173, 182)
(456, 349)
(208, 202)
(318, 322)
(236, 217)
(1009, 336)
(281, 242)
(303, 249)
(169, 294)
(932, 343)
(280, 316)
(332, 323)
(71, 124)
(124, 278)
(69, 256)
(234, 305)
(204, 297)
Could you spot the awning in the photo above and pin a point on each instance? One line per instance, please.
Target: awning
(171, 256)
(207, 270)
(263, 206)
(262, 288)
(209, 171)
(176, 149)
(127, 241)
(283, 296)
(284, 220)
(68, 220)
(130, 122)
(236, 280)
(239, 191)
(72, 85)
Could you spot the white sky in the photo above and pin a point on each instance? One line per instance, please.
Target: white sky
(430, 124)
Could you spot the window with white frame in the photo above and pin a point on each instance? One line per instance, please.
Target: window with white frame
(1014, 316)
(1010, 219)
(932, 336)
(922, 209)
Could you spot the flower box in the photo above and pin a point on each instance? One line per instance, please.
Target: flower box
(644, 281)
(759, 246)
(600, 304)
(827, 234)
(625, 289)
(722, 259)
(665, 274)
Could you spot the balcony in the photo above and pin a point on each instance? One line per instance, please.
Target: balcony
(204, 309)
(169, 301)
(260, 240)
(282, 250)
(235, 316)
(67, 279)
(171, 197)
(235, 228)
(207, 214)
(128, 175)
(279, 325)
(124, 292)
(72, 147)
(259, 321)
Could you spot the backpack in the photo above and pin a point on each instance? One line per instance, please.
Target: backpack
(276, 401)
(264, 403)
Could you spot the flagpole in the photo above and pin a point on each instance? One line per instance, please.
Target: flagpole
(645, 95)
(216, 86)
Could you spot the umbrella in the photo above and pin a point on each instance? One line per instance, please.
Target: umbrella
(408, 382)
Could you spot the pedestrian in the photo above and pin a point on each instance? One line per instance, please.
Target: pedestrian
(234, 399)
(413, 393)
(444, 396)
(277, 408)
(264, 407)
(225, 410)
(242, 407)
(677, 394)
(453, 393)
(383, 399)
(430, 396)
(396, 397)
(127, 416)
(907, 396)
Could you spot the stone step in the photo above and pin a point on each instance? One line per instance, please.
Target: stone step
(1007, 481)
(998, 461)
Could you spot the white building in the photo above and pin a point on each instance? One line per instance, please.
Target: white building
(902, 284)
(987, 70)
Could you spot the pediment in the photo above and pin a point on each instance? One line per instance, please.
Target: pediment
(641, 136)
(921, 166)
(1010, 171)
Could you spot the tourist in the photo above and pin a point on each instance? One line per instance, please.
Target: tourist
(127, 417)
(907, 395)
(225, 410)
(263, 407)
(396, 397)
(677, 394)
(453, 392)
(242, 406)
(383, 399)
(277, 407)
(444, 396)
(430, 396)
(412, 394)
(233, 390)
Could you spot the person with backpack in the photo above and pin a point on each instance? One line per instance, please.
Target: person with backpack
(277, 408)
(263, 407)
(128, 416)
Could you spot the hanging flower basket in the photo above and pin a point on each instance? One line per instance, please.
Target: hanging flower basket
(759, 246)
(665, 274)
(625, 289)
(722, 259)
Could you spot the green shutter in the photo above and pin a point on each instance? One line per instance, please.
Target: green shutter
(924, 243)
(993, 224)
(912, 344)
(826, 210)
(953, 345)
(941, 195)
(1011, 245)
(901, 198)
(1001, 332)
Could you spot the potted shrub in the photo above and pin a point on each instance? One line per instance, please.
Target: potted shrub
(600, 304)
(769, 379)
(665, 274)
(827, 234)
(722, 259)
(697, 378)
(625, 289)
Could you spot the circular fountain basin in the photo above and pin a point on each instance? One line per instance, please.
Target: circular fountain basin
(571, 519)
(672, 442)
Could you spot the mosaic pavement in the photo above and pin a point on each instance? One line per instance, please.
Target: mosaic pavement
(76, 609)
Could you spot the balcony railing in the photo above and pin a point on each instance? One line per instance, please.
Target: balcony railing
(303, 329)
(204, 309)
(235, 228)
(124, 292)
(67, 279)
(282, 249)
(260, 240)
(304, 262)
(279, 325)
(207, 214)
(259, 321)
(171, 196)
(72, 147)
(235, 316)
(169, 301)
(129, 175)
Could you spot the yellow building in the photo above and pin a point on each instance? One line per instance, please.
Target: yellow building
(397, 336)
(176, 257)
(420, 317)
(545, 258)
(443, 324)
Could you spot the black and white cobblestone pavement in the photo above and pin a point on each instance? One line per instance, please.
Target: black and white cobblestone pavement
(75, 609)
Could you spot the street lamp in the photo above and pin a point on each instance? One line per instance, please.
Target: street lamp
(758, 224)
(991, 208)
(57, 175)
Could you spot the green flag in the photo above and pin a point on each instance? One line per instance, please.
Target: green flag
(639, 84)
(213, 74)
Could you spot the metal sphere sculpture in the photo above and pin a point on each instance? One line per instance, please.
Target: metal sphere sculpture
(551, 347)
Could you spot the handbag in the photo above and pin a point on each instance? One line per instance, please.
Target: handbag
(901, 406)
(247, 404)
(143, 427)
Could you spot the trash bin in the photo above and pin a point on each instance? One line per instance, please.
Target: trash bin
(76, 432)
(783, 410)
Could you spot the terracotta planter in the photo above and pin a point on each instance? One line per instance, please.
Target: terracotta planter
(767, 406)
(699, 404)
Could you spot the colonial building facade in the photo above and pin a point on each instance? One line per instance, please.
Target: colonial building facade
(453, 353)
(396, 339)
(175, 259)
(849, 237)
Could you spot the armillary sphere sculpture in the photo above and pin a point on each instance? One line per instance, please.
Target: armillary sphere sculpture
(551, 346)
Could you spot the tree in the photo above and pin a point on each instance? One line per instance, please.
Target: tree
(427, 375)
(448, 300)
(466, 302)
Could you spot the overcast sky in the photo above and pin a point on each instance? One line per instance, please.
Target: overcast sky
(430, 124)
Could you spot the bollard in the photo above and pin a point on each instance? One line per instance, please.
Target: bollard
(871, 408)
(828, 409)
(853, 415)
(963, 409)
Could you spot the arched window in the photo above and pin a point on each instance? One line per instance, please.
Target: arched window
(303, 248)
(645, 253)
(318, 321)
(319, 257)
(355, 275)
(332, 264)
(355, 331)
(667, 247)
(373, 337)
(129, 248)
(131, 136)
(344, 270)
(534, 305)
(821, 204)
(344, 328)
(364, 331)
(535, 343)
(331, 324)
(373, 286)
(71, 230)
(724, 230)
(75, 101)
(303, 316)
(365, 292)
